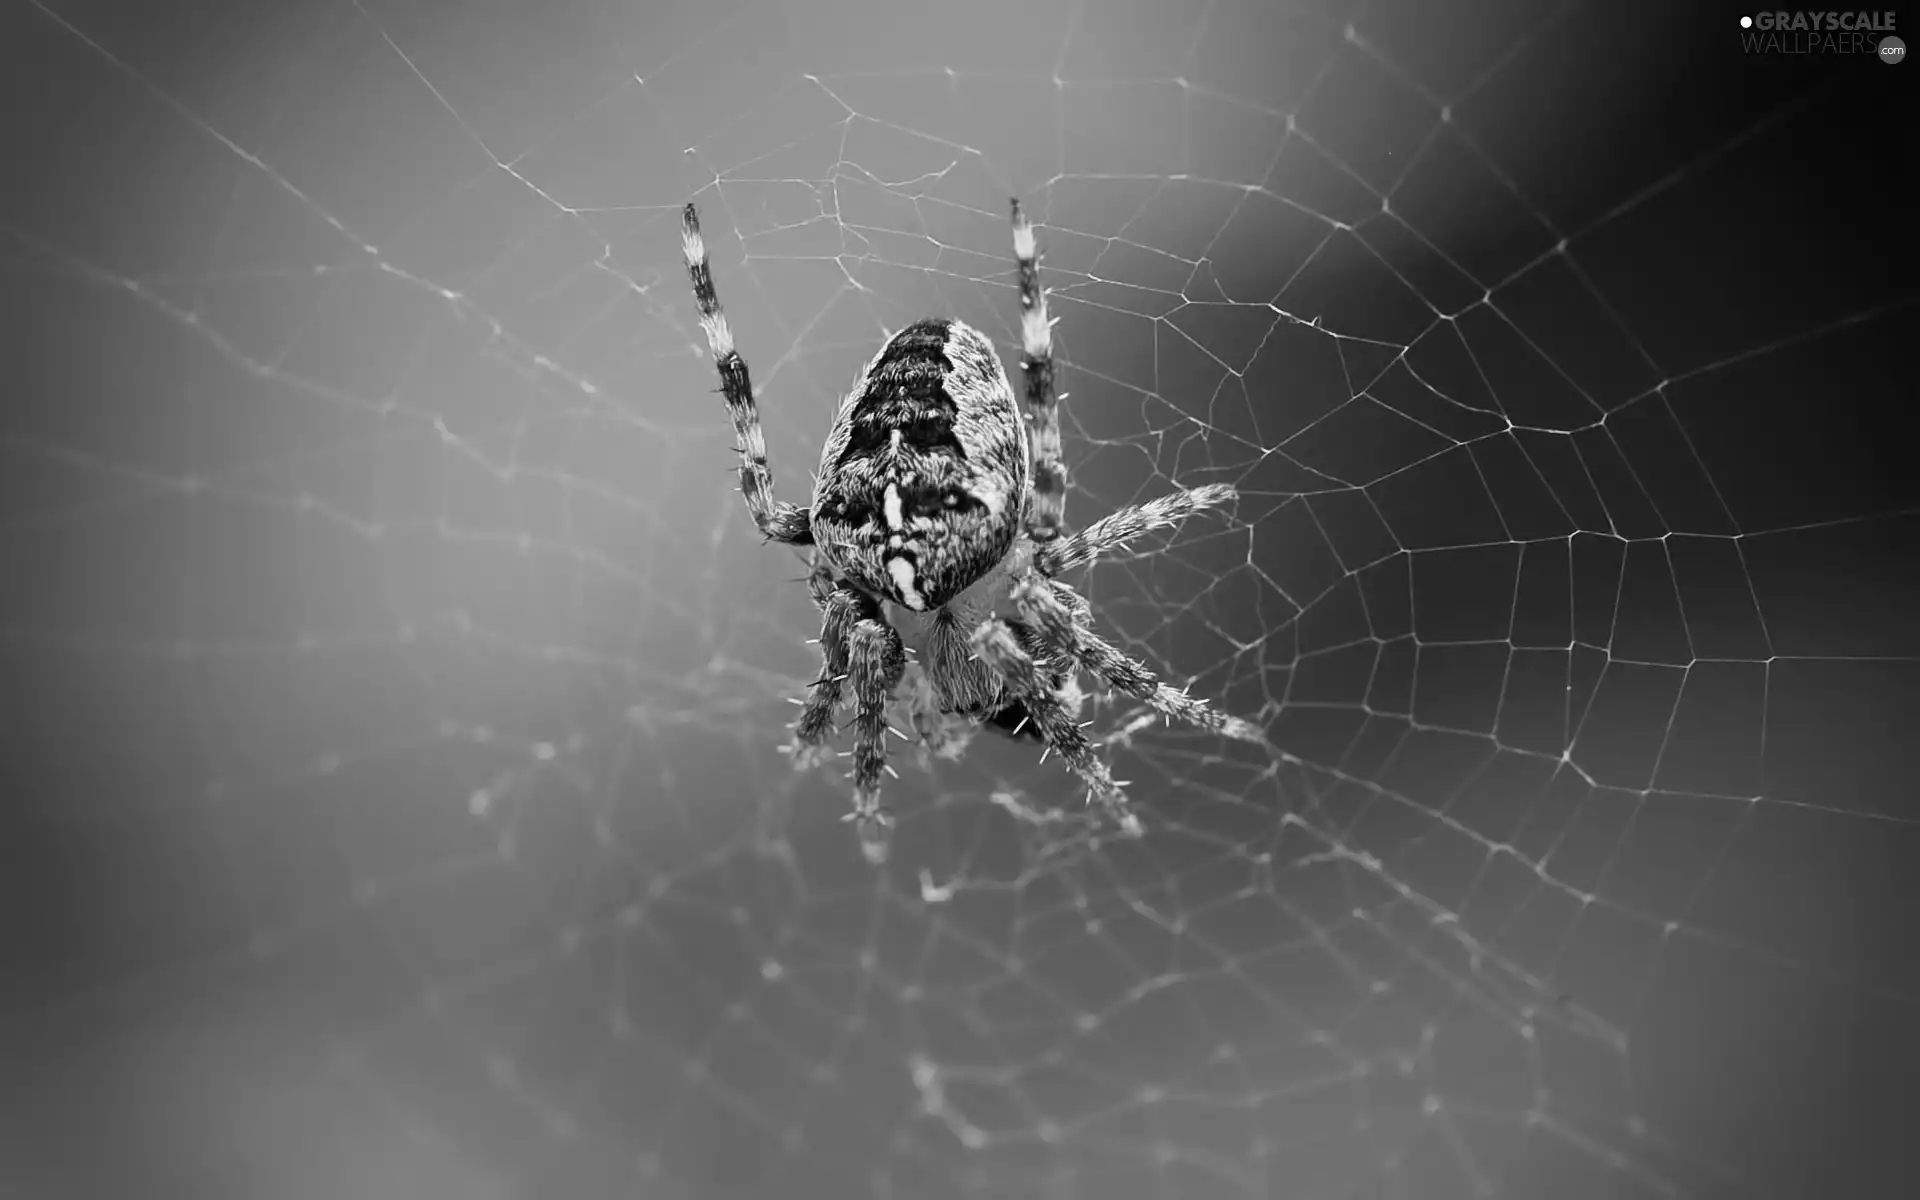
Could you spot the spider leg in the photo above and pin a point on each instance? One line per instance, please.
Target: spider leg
(1059, 613)
(1012, 719)
(1117, 529)
(1049, 508)
(842, 608)
(995, 643)
(777, 519)
(876, 661)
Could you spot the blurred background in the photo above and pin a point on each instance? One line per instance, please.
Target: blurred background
(394, 682)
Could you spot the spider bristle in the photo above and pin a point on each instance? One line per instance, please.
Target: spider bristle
(796, 701)
(888, 768)
(1044, 752)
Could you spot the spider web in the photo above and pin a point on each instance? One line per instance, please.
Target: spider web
(401, 682)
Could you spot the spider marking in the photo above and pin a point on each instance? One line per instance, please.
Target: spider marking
(937, 529)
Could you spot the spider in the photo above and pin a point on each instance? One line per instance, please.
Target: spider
(937, 536)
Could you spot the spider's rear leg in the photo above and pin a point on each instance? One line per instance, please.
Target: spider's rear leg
(995, 643)
(876, 660)
(1052, 608)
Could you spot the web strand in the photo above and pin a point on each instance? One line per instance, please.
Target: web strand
(385, 576)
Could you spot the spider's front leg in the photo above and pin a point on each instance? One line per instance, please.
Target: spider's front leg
(842, 608)
(876, 660)
(994, 641)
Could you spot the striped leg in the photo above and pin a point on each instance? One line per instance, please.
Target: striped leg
(1117, 529)
(876, 660)
(842, 608)
(777, 519)
(994, 641)
(1051, 608)
(1043, 407)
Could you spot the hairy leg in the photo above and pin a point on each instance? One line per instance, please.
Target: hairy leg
(1013, 720)
(1048, 514)
(841, 608)
(777, 519)
(876, 660)
(995, 643)
(1112, 532)
(1059, 615)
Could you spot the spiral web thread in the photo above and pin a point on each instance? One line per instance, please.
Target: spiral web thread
(388, 562)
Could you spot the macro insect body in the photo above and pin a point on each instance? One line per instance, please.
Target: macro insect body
(937, 543)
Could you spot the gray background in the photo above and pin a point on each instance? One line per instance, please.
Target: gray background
(394, 681)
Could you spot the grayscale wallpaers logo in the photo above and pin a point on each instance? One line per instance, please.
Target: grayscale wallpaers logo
(1822, 33)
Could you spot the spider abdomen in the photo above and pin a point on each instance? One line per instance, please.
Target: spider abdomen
(923, 483)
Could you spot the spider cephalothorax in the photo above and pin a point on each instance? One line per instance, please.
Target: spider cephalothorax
(936, 530)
